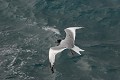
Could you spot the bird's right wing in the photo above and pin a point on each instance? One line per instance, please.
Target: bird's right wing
(71, 32)
(52, 52)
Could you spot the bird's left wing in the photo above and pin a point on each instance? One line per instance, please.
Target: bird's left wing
(52, 52)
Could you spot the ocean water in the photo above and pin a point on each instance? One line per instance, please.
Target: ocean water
(28, 28)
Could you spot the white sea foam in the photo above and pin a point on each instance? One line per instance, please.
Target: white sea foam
(53, 29)
(12, 62)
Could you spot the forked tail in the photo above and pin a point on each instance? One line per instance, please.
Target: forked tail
(77, 49)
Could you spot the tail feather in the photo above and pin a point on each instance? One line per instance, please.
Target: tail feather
(77, 49)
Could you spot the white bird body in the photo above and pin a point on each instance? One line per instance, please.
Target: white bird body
(67, 43)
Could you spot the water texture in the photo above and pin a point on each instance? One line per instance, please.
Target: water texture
(28, 28)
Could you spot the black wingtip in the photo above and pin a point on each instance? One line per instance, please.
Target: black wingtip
(52, 69)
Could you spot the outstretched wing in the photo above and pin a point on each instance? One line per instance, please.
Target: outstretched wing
(52, 52)
(70, 32)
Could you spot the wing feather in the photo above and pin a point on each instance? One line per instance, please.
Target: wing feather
(71, 31)
(52, 52)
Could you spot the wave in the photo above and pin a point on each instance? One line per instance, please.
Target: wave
(53, 29)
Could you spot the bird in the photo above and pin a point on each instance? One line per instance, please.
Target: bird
(67, 43)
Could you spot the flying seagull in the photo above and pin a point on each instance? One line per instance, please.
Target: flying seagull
(67, 43)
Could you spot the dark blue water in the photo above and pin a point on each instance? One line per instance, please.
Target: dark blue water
(24, 44)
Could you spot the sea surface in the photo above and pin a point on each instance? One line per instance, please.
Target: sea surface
(28, 28)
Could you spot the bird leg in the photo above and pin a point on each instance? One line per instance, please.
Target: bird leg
(72, 52)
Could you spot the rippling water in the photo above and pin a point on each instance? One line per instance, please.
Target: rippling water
(28, 28)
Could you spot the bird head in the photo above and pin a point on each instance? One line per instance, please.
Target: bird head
(58, 41)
